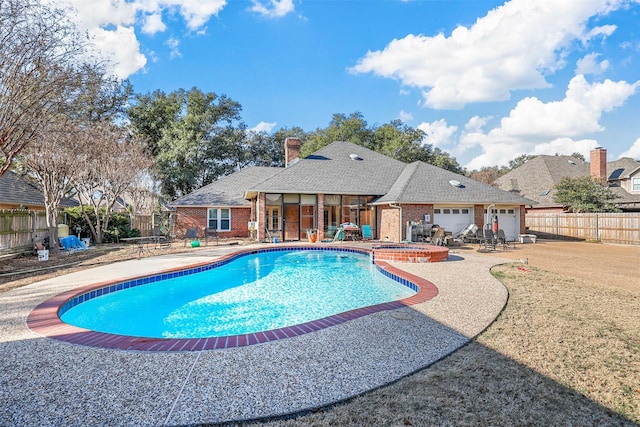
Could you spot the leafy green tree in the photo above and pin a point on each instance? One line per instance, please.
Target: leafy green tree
(520, 160)
(196, 137)
(584, 194)
(152, 113)
(394, 139)
(352, 128)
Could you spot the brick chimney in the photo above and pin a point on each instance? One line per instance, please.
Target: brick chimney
(291, 150)
(599, 164)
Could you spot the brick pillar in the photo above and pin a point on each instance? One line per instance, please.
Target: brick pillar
(291, 150)
(478, 216)
(320, 216)
(523, 219)
(598, 164)
(261, 208)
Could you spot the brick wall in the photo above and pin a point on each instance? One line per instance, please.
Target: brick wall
(197, 218)
(478, 216)
(416, 213)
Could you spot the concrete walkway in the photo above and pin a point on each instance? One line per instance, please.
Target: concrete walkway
(48, 382)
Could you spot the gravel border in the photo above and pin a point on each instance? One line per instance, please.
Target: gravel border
(47, 382)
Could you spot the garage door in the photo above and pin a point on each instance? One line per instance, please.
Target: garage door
(508, 220)
(453, 219)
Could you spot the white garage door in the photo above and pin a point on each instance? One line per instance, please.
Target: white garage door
(453, 219)
(508, 220)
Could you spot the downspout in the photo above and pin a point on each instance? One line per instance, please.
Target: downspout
(393, 205)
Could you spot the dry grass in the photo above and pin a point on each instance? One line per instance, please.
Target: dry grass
(563, 352)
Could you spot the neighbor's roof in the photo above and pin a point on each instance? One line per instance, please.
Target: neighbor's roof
(535, 178)
(15, 189)
(421, 182)
(339, 168)
(228, 190)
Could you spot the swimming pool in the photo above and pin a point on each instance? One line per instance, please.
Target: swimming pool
(253, 293)
(241, 274)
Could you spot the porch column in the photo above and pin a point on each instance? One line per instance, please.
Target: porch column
(320, 216)
(261, 207)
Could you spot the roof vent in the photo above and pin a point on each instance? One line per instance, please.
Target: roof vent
(571, 162)
(455, 183)
(355, 157)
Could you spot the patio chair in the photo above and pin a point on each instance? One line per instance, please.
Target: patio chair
(366, 232)
(438, 238)
(489, 238)
(502, 240)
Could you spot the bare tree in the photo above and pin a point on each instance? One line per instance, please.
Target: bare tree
(49, 159)
(110, 160)
(40, 53)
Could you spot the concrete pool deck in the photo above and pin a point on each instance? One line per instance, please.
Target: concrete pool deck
(49, 382)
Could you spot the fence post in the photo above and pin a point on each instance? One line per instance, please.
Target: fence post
(597, 228)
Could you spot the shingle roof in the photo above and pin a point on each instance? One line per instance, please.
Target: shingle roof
(15, 189)
(421, 183)
(346, 168)
(228, 190)
(332, 170)
(535, 179)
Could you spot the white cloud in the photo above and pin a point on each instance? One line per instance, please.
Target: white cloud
(273, 8)
(405, 117)
(510, 48)
(111, 25)
(589, 65)
(153, 24)
(438, 133)
(174, 47)
(121, 48)
(263, 127)
(476, 123)
(633, 151)
(536, 127)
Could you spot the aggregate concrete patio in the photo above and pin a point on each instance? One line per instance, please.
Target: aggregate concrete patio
(49, 382)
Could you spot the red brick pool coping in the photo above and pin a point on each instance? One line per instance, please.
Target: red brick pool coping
(44, 319)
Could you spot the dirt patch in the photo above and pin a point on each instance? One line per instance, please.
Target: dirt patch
(611, 265)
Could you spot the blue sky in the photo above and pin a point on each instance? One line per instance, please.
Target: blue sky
(486, 80)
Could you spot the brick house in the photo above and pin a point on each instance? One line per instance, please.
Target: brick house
(344, 182)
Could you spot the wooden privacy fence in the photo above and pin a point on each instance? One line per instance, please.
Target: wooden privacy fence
(20, 228)
(622, 228)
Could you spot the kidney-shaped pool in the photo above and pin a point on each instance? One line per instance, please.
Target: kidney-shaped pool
(253, 296)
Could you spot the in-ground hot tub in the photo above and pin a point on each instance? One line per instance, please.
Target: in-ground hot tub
(410, 253)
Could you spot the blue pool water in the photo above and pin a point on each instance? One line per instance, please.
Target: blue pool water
(252, 293)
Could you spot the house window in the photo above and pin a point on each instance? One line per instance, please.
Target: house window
(635, 186)
(219, 219)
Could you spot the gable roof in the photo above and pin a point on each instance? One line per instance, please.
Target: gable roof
(339, 168)
(622, 168)
(421, 182)
(228, 190)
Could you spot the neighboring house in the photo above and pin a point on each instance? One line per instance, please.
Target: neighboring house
(16, 192)
(536, 178)
(344, 182)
